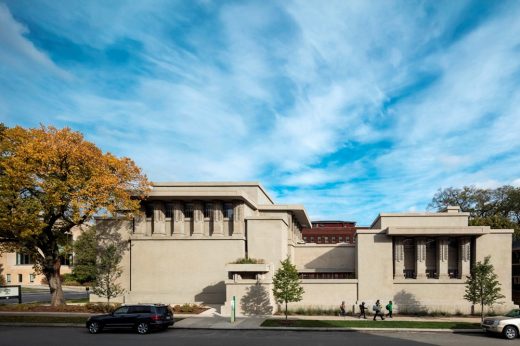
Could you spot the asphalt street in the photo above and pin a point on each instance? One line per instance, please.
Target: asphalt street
(51, 336)
(43, 297)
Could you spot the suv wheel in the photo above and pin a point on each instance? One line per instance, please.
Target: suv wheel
(510, 332)
(142, 328)
(94, 327)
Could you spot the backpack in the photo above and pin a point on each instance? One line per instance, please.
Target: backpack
(374, 308)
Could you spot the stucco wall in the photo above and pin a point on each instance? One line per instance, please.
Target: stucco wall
(327, 294)
(267, 239)
(374, 265)
(333, 256)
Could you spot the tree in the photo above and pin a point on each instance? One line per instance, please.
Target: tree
(52, 180)
(108, 270)
(498, 208)
(85, 256)
(286, 284)
(482, 287)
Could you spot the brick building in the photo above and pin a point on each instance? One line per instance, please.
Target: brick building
(330, 232)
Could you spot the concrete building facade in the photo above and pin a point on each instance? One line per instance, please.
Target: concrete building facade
(188, 236)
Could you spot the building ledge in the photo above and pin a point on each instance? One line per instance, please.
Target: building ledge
(430, 281)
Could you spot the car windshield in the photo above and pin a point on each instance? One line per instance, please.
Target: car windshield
(513, 313)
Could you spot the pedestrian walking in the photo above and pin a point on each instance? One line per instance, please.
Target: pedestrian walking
(389, 307)
(342, 310)
(377, 310)
(362, 309)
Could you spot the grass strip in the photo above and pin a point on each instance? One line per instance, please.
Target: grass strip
(368, 324)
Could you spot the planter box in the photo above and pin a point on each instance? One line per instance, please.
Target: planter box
(256, 268)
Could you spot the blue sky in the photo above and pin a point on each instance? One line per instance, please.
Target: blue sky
(351, 107)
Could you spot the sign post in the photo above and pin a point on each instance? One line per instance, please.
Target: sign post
(13, 291)
(233, 308)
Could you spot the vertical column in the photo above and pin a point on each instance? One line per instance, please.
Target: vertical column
(420, 258)
(442, 258)
(398, 258)
(238, 218)
(159, 224)
(198, 219)
(140, 221)
(178, 218)
(218, 219)
(464, 257)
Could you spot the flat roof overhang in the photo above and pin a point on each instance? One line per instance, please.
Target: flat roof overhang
(443, 231)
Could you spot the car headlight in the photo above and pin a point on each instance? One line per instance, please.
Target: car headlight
(495, 323)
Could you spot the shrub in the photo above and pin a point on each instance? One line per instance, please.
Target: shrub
(247, 260)
(102, 307)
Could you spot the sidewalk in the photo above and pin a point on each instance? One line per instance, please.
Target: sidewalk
(210, 319)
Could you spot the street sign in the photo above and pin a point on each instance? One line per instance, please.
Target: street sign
(13, 291)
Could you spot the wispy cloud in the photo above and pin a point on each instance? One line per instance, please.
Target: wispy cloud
(351, 108)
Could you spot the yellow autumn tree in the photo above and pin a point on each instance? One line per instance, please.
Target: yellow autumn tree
(52, 180)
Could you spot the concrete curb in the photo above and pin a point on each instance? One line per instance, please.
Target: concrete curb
(301, 329)
(408, 330)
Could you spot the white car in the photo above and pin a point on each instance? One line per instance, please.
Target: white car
(508, 325)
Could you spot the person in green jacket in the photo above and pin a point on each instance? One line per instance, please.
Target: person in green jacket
(389, 308)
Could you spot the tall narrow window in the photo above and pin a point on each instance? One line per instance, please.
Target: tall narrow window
(188, 210)
(148, 208)
(31, 277)
(8, 278)
(228, 210)
(208, 207)
(169, 210)
(20, 278)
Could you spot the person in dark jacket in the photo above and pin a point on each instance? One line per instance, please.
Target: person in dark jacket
(342, 310)
(362, 309)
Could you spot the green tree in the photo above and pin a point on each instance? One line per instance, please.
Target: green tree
(498, 208)
(482, 287)
(108, 271)
(85, 257)
(286, 284)
(52, 180)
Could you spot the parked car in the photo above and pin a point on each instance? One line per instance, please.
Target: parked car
(508, 325)
(142, 318)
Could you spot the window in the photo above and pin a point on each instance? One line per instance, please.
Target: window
(188, 210)
(8, 278)
(31, 277)
(22, 259)
(326, 240)
(312, 239)
(66, 260)
(319, 240)
(208, 207)
(228, 210)
(20, 278)
(122, 310)
(347, 239)
(169, 210)
(148, 209)
(333, 240)
(305, 239)
(340, 239)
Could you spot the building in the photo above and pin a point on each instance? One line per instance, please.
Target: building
(17, 268)
(330, 232)
(185, 244)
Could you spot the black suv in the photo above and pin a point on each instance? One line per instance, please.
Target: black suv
(142, 318)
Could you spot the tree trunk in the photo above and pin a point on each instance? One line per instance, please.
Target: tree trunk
(54, 280)
(286, 310)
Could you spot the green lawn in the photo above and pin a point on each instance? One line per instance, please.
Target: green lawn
(368, 324)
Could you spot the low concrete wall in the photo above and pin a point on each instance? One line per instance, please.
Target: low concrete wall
(325, 256)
